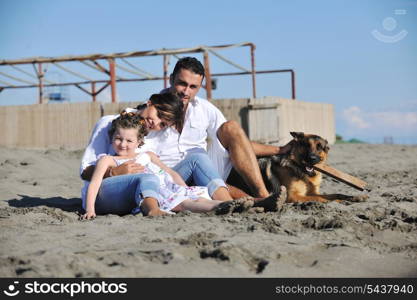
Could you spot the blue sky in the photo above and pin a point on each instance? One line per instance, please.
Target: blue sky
(370, 78)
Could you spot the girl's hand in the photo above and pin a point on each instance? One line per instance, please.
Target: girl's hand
(89, 215)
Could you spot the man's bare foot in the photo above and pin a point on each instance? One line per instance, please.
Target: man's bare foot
(237, 205)
(273, 202)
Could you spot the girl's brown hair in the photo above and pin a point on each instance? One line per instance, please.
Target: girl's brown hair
(128, 120)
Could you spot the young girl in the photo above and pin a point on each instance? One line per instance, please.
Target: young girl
(127, 133)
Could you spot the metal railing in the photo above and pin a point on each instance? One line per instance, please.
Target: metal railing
(92, 61)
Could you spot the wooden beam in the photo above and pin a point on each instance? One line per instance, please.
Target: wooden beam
(198, 49)
(341, 176)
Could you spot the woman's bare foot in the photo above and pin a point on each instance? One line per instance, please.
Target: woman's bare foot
(273, 202)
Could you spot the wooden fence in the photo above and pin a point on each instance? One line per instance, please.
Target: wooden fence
(69, 125)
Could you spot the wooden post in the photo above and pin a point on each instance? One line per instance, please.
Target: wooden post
(166, 63)
(208, 75)
(40, 77)
(252, 60)
(293, 84)
(112, 68)
(93, 90)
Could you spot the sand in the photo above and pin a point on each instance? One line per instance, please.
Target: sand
(41, 235)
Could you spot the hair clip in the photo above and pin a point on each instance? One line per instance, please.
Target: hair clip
(126, 114)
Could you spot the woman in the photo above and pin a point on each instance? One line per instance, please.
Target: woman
(161, 112)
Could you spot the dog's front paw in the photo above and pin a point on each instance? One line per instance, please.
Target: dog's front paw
(359, 198)
(353, 199)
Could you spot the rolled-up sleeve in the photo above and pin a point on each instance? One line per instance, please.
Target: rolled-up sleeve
(99, 142)
(216, 119)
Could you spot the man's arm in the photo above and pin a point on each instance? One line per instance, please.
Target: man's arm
(264, 150)
(215, 120)
(268, 150)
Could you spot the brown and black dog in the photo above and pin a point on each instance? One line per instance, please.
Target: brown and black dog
(295, 171)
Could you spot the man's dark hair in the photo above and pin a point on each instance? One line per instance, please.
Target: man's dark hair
(189, 63)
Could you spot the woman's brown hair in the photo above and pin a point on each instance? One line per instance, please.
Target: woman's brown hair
(169, 108)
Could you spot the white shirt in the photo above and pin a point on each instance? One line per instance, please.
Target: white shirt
(202, 120)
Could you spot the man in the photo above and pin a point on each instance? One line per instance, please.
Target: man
(229, 145)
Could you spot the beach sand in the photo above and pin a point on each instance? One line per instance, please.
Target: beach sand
(41, 235)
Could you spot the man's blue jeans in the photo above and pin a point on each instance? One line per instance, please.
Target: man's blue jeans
(120, 194)
(197, 169)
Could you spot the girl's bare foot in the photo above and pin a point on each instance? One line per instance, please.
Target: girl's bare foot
(156, 213)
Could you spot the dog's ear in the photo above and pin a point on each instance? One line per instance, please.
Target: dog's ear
(297, 135)
(326, 146)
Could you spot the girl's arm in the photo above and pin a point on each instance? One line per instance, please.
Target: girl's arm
(177, 177)
(99, 171)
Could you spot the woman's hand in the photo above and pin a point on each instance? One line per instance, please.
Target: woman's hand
(175, 176)
(129, 167)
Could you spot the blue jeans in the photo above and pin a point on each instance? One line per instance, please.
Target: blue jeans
(120, 194)
(197, 169)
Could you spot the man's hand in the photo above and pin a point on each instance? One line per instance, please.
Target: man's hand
(262, 150)
(129, 167)
(286, 148)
